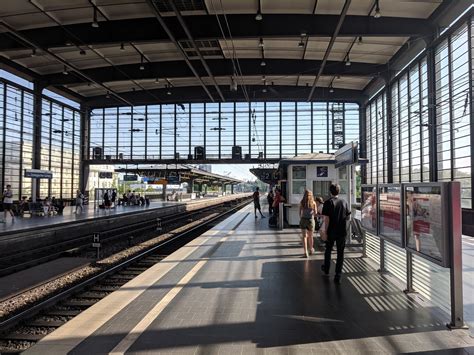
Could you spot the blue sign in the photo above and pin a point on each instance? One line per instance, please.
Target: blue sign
(130, 178)
(38, 174)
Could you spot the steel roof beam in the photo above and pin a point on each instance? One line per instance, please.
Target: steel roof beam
(330, 45)
(205, 27)
(196, 47)
(221, 67)
(169, 33)
(194, 94)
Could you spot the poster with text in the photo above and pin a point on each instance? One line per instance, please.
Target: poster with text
(369, 208)
(390, 215)
(424, 221)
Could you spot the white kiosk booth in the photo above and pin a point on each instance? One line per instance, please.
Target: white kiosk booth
(316, 172)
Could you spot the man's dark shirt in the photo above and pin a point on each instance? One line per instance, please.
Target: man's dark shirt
(337, 210)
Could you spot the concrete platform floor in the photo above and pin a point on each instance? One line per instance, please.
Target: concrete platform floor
(243, 289)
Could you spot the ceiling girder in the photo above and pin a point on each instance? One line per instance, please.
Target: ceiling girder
(221, 67)
(206, 27)
(196, 94)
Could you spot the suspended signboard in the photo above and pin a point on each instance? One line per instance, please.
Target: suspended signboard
(346, 155)
(105, 175)
(38, 174)
(130, 178)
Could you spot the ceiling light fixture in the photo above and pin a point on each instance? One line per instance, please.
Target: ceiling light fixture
(65, 72)
(338, 77)
(377, 13)
(169, 91)
(301, 43)
(359, 42)
(82, 52)
(108, 95)
(33, 52)
(348, 61)
(122, 47)
(331, 90)
(260, 43)
(95, 23)
(259, 16)
(142, 66)
(233, 84)
(262, 63)
(157, 80)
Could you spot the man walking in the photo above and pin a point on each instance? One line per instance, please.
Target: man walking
(256, 203)
(335, 214)
(7, 204)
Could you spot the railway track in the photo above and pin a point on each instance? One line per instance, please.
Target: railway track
(112, 241)
(21, 329)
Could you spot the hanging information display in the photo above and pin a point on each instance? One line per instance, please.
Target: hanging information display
(390, 214)
(424, 221)
(369, 208)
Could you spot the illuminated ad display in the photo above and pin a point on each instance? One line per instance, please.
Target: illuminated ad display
(390, 214)
(424, 222)
(369, 208)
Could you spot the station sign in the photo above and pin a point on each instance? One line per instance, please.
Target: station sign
(130, 177)
(174, 179)
(105, 175)
(159, 181)
(96, 243)
(347, 155)
(38, 174)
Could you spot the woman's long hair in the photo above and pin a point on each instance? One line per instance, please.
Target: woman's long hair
(308, 200)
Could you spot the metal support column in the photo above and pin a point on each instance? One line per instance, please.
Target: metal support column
(362, 141)
(382, 256)
(37, 116)
(84, 144)
(456, 267)
(409, 272)
(470, 37)
(433, 156)
(388, 146)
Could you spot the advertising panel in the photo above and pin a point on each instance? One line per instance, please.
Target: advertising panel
(369, 208)
(390, 214)
(426, 234)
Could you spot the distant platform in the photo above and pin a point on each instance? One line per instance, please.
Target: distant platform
(68, 216)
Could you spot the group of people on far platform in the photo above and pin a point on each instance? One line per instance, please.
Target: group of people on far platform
(329, 218)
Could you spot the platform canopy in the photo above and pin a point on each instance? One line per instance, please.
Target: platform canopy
(181, 173)
(110, 53)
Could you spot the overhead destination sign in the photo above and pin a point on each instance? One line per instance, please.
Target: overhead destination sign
(38, 174)
(346, 155)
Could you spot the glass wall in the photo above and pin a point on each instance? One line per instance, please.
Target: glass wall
(261, 129)
(60, 149)
(16, 142)
(411, 127)
(60, 142)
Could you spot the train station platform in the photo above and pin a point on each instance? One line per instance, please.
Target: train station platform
(46, 236)
(242, 288)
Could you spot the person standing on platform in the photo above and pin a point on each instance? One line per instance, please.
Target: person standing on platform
(307, 223)
(256, 203)
(79, 200)
(270, 197)
(335, 216)
(114, 197)
(7, 204)
(106, 198)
